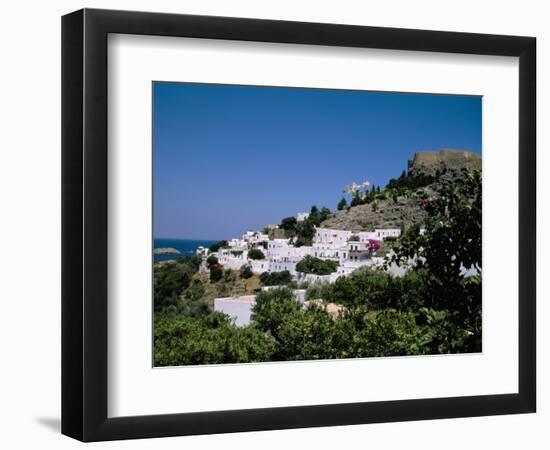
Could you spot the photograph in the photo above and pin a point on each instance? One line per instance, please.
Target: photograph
(296, 224)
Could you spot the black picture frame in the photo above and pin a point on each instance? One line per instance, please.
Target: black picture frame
(84, 224)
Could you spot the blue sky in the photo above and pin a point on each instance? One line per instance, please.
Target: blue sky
(231, 158)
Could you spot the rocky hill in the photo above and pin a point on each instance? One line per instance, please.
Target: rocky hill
(405, 211)
(388, 214)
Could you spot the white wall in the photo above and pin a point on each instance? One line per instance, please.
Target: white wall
(30, 187)
(239, 309)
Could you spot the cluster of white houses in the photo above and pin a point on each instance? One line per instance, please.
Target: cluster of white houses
(351, 251)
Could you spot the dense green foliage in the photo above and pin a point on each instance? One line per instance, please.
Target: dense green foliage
(220, 244)
(342, 204)
(302, 232)
(245, 272)
(312, 333)
(411, 182)
(317, 266)
(276, 278)
(450, 246)
(256, 253)
(216, 274)
(211, 339)
(211, 261)
(170, 279)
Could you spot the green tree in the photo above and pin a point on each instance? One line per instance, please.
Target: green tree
(288, 224)
(211, 260)
(324, 214)
(272, 308)
(216, 274)
(314, 216)
(229, 276)
(276, 278)
(256, 253)
(245, 272)
(169, 281)
(317, 266)
(208, 340)
(311, 334)
(389, 333)
(195, 291)
(220, 244)
(342, 204)
(449, 246)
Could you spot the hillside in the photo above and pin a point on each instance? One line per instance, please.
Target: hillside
(404, 210)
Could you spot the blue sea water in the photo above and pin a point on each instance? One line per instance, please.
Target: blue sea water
(187, 247)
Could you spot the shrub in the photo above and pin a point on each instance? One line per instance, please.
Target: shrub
(272, 308)
(211, 260)
(216, 274)
(256, 253)
(221, 244)
(209, 340)
(169, 281)
(276, 278)
(317, 266)
(245, 272)
(342, 204)
(229, 276)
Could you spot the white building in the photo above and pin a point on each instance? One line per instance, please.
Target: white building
(388, 232)
(254, 237)
(238, 308)
(201, 251)
(351, 251)
(259, 265)
(301, 216)
(283, 255)
(232, 258)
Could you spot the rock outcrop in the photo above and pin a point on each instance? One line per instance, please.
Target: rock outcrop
(166, 251)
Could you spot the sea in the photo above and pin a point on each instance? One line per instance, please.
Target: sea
(187, 247)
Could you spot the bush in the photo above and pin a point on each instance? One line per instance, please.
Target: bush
(276, 278)
(272, 308)
(229, 276)
(209, 340)
(245, 272)
(317, 266)
(256, 253)
(195, 290)
(342, 204)
(216, 274)
(170, 280)
(211, 260)
(221, 244)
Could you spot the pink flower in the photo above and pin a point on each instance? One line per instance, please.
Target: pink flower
(374, 245)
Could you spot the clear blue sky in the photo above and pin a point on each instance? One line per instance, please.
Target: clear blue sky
(232, 158)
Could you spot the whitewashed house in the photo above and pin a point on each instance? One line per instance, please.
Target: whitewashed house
(388, 232)
(351, 251)
(238, 308)
(301, 216)
(255, 237)
(259, 265)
